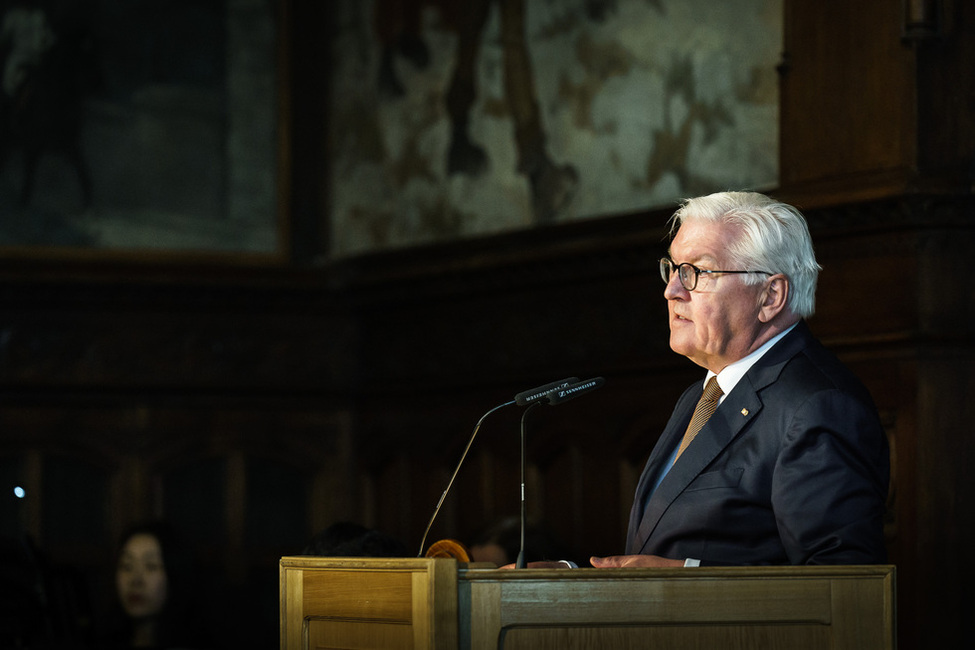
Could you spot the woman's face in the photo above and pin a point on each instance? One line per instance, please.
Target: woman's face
(141, 576)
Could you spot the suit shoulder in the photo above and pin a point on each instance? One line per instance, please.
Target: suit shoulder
(815, 368)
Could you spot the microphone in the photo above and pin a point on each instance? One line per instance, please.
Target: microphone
(565, 393)
(527, 397)
(524, 398)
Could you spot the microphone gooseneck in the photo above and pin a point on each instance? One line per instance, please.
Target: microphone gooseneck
(520, 562)
(553, 393)
(555, 396)
(456, 470)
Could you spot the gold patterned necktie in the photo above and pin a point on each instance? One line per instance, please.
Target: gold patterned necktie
(704, 409)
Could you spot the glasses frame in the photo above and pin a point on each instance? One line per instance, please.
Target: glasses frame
(666, 262)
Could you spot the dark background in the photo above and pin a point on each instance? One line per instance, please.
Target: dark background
(253, 402)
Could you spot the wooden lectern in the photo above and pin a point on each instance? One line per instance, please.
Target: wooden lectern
(439, 603)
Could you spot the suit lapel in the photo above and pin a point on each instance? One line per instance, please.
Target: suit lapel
(739, 408)
(655, 465)
(719, 431)
(669, 439)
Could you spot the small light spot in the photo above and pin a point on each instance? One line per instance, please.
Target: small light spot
(19, 492)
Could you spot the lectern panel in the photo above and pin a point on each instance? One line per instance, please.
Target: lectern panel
(698, 637)
(795, 608)
(364, 604)
(358, 635)
(663, 601)
(384, 596)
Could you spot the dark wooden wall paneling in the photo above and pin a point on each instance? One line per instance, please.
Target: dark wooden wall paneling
(219, 405)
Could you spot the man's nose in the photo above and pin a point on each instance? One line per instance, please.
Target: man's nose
(674, 287)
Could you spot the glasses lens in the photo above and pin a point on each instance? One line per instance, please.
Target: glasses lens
(666, 270)
(688, 276)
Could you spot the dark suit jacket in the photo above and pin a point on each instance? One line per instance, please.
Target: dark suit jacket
(792, 468)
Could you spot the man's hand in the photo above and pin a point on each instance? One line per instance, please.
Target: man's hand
(633, 562)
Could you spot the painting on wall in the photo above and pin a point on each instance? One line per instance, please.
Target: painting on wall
(452, 120)
(144, 126)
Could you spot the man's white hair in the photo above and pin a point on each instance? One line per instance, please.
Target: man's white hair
(774, 238)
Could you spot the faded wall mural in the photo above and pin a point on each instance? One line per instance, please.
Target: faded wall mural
(457, 119)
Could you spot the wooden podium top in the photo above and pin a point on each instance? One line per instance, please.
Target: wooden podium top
(441, 603)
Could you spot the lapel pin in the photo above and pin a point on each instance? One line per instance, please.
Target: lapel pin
(744, 411)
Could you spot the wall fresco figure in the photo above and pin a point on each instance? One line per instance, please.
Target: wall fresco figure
(47, 65)
(552, 186)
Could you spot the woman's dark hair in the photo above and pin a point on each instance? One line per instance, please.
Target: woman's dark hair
(181, 623)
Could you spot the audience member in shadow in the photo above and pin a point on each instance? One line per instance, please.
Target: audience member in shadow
(348, 539)
(157, 599)
(500, 541)
(42, 604)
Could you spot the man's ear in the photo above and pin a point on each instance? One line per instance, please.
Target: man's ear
(774, 298)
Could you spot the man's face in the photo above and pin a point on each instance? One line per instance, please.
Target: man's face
(717, 323)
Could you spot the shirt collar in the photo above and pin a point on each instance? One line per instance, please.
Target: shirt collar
(729, 377)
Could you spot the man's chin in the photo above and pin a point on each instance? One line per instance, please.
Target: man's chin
(687, 350)
(680, 346)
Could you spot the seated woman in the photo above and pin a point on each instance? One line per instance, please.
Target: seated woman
(152, 579)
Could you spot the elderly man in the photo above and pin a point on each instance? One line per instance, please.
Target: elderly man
(777, 456)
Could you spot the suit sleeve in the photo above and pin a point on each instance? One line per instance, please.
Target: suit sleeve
(830, 480)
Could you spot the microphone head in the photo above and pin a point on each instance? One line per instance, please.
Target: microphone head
(541, 393)
(564, 394)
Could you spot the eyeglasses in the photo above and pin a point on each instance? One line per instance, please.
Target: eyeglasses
(688, 273)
